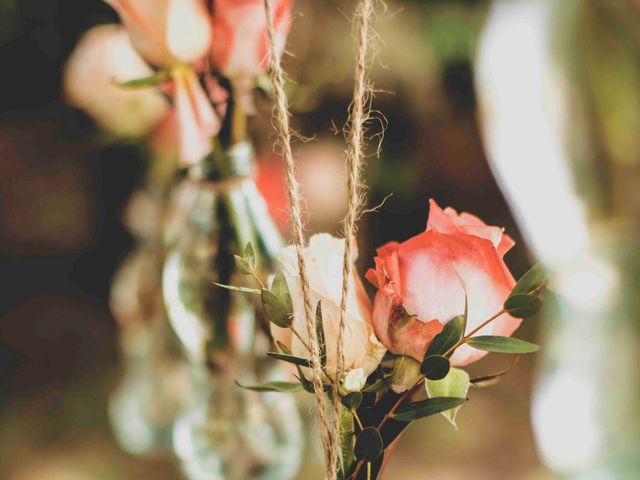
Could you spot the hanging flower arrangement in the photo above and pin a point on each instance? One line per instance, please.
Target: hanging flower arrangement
(443, 299)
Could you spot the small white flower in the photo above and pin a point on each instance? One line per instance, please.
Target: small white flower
(353, 380)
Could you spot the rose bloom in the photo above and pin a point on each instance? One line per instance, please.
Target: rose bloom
(240, 43)
(166, 32)
(425, 275)
(103, 56)
(196, 119)
(323, 256)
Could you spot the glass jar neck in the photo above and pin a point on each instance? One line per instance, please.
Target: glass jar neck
(225, 163)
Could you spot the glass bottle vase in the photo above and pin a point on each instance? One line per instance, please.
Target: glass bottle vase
(227, 432)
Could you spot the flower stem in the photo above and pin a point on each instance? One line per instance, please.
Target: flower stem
(473, 332)
(305, 344)
(387, 416)
(355, 415)
(257, 279)
(485, 323)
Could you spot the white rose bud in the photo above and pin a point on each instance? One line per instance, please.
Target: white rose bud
(323, 256)
(353, 381)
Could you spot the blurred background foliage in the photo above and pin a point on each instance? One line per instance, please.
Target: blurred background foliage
(63, 192)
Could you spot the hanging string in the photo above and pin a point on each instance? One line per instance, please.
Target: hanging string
(355, 159)
(358, 116)
(281, 125)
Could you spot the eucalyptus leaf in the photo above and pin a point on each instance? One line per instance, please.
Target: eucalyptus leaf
(250, 256)
(426, 408)
(489, 380)
(242, 265)
(455, 384)
(353, 400)
(496, 344)
(451, 334)
(486, 381)
(154, 80)
(377, 386)
(320, 333)
(282, 387)
(347, 439)
(306, 384)
(285, 357)
(405, 374)
(275, 309)
(369, 445)
(435, 367)
(238, 289)
(530, 281)
(522, 305)
(297, 361)
(280, 289)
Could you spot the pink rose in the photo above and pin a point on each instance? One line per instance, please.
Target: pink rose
(240, 44)
(166, 33)
(423, 275)
(196, 119)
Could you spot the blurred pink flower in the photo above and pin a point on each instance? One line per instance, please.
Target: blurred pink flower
(103, 57)
(240, 45)
(197, 121)
(166, 33)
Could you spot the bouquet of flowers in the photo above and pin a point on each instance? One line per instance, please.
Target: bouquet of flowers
(445, 298)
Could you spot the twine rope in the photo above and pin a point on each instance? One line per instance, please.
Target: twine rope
(355, 158)
(281, 125)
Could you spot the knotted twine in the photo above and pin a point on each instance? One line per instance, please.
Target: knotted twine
(359, 114)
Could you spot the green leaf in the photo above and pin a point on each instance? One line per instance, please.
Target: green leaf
(275, 309)
(377, 386)
(530, 281)
(242, 265)
(285, 357)
(435, 367)
(491, 343)
(369, 445)
(347, 438)
(238, 289)
(283, 348)
(306, 384)
(450, 335)
(280, 289)
(406, 372)
(282, 387)
(489, 380)
(250, 256)
(352, 401)
(455, 384)
(297, 361)
(154, 80)
(320, 333)
(426, 408)
(522, 305)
